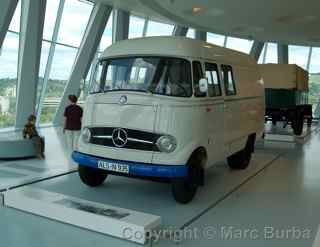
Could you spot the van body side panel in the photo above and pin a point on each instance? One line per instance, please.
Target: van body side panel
(244, 112)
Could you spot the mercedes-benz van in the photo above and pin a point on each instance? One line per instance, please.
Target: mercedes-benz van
(167, 109)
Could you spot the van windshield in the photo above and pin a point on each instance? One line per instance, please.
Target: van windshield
(156, 75)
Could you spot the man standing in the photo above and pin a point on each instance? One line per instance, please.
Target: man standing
(72, 122)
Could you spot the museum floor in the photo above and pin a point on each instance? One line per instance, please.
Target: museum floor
(274, 202)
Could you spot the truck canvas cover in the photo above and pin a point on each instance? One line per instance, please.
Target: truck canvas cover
(284, 76)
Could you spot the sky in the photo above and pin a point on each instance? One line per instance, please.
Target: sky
(74, 20)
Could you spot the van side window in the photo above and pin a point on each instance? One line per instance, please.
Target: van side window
(228, 80)
(212, 75)
(197, 75)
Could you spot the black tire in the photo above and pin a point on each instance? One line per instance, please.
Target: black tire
(184, 189)
(241, 159)
(92, 177)
(309, 122)
(298, 124)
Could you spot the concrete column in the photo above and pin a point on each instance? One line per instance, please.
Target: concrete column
(283, 54)
(145, 27)
(31, 30)
(256, 50)
(120, 25)
(201, 35)
(264, 58)
(88, 47)
(309, 58)
(225, 42)
(180, 31)
(7, 10)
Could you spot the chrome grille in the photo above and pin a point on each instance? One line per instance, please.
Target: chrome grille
(136, 139)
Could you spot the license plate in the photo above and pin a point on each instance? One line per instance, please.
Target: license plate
(113, 166)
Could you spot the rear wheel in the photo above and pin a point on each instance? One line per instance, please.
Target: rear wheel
(298, 122)
(184, 189)
(241, 159)
(92, 177)
(309, 122)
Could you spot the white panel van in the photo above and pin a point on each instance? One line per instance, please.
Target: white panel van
(167, 109)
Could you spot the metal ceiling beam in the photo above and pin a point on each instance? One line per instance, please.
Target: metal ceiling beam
(32, 21)
(120, 30)
(88, 47)
(7, 11)
(201, 35)
(180, 31)
(283, 54)
(256, 50)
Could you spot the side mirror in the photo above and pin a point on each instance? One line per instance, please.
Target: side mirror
(203, 85)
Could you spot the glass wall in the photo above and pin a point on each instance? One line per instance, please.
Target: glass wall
(74, 21)
(191, 33)
(272, 53)
(215, 39)
(62, 63)
(8, 79)
(159, 29)
(106, 39)
(136, 26)
(269, 53)
(237, 44)
(314, 79)
(65, 50)
(8, 72)
(299, 55)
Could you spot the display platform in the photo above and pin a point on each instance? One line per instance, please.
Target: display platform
(106, 219)
(25, 171)
(280, 134)
(155, 198)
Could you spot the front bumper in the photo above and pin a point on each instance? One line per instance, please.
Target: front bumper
(135, 168)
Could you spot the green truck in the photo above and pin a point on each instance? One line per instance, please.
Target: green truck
(286, 95)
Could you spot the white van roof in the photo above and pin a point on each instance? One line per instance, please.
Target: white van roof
(177, 47)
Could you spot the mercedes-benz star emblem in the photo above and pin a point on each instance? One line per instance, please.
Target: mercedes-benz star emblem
(123, 100)
(119, 137)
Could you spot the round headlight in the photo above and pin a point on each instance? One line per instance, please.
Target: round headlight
(86, 135)
(167, 144)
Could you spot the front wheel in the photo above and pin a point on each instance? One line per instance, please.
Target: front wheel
(184, 189)
(92, 177)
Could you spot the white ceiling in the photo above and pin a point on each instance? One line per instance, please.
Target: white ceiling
(286, 21)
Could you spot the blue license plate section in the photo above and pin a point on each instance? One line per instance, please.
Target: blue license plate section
(113, 166)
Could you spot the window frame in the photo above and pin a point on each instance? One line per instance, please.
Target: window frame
(196, 83)
(218, 77)
(227, 84)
